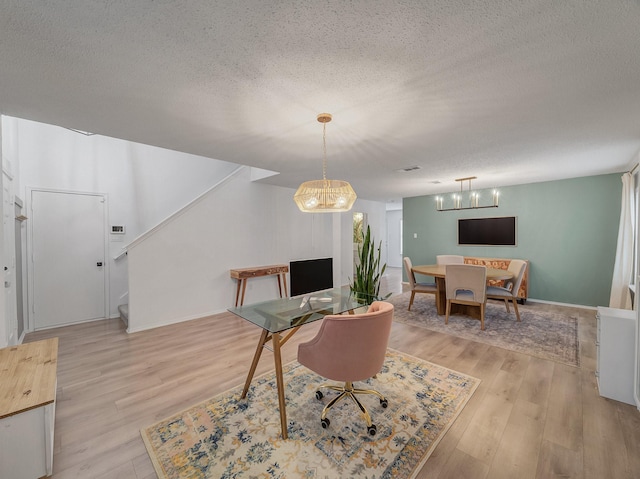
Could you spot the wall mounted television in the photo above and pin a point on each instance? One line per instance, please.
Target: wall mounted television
(487, 231)
(310, 275)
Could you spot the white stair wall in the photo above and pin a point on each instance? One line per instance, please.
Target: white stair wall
(180, 271)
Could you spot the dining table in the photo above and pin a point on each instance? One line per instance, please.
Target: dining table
(439, 273)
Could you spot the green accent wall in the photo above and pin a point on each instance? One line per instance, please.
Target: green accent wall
(567, 229)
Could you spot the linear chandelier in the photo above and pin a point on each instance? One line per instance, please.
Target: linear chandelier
(324, 196)
(473, 198)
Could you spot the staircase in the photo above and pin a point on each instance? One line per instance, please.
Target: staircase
(123, 309)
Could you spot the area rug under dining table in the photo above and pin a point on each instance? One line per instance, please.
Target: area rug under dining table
(229, 437)
(543, 334)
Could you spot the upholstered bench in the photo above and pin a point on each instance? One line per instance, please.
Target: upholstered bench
(502, 263)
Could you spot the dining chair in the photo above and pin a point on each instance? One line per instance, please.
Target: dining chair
(443, 259)
(509, 292)
(349, 348)
(466, 284)
(416, 287)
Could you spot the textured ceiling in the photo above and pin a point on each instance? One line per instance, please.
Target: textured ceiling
(509, 91)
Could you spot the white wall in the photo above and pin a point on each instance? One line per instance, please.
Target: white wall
(182, 271)
(9, 178)
(144, 184)
(238, 224)
(4, 320)
(394, 238)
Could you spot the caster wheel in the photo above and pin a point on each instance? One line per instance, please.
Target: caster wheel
(319, 395)
(372, 430)
(325, 423)
(384, 403)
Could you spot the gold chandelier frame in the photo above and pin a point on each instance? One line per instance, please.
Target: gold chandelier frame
(324, 196)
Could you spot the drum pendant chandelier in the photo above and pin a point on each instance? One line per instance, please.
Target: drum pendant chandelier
(324, 196)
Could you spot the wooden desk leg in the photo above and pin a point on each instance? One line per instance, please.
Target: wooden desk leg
(279, 284)
(242, 285)
(280, 381)
(244, 288)
(254, 364)
(238, 291)
(284, 282)
(441, 296)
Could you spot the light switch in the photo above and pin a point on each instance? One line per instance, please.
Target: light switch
(415, 235)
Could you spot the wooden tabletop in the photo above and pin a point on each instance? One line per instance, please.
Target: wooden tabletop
(438, 271)
(241, 273)
(27, 376)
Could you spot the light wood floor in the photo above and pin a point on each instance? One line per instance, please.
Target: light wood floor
(530, 418)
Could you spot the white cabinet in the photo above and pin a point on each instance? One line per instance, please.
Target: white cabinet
(26, 443)
(27, 409)
(615, 344)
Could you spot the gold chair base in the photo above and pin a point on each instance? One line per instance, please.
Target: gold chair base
(349, 391)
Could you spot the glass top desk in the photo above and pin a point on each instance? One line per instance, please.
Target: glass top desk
(288, 315)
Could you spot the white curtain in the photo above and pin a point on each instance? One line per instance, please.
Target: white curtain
(623, 267)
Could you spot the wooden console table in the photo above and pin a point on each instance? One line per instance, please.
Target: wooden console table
(27, 409)
(243, 274)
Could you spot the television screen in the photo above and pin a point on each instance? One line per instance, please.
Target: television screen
(310, 275)
(487, 231)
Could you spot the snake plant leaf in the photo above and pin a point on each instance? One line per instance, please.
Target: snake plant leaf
(368, 271)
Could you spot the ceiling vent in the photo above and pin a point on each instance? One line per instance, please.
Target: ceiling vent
(409, 168)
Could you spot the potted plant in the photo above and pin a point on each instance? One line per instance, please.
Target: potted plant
(368, 270)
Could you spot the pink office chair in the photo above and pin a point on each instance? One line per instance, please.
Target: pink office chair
(350, 348)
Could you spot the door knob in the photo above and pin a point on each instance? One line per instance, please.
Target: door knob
(99, 263)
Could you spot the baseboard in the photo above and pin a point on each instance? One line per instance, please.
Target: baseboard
(533, 300)
(71, 323)
(169, 322)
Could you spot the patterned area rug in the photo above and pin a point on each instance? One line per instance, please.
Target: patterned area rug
(226, 437)
(541, 334)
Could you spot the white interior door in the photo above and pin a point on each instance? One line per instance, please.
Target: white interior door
(68, 258)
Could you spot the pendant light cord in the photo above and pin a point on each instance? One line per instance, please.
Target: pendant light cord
(324, 151)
